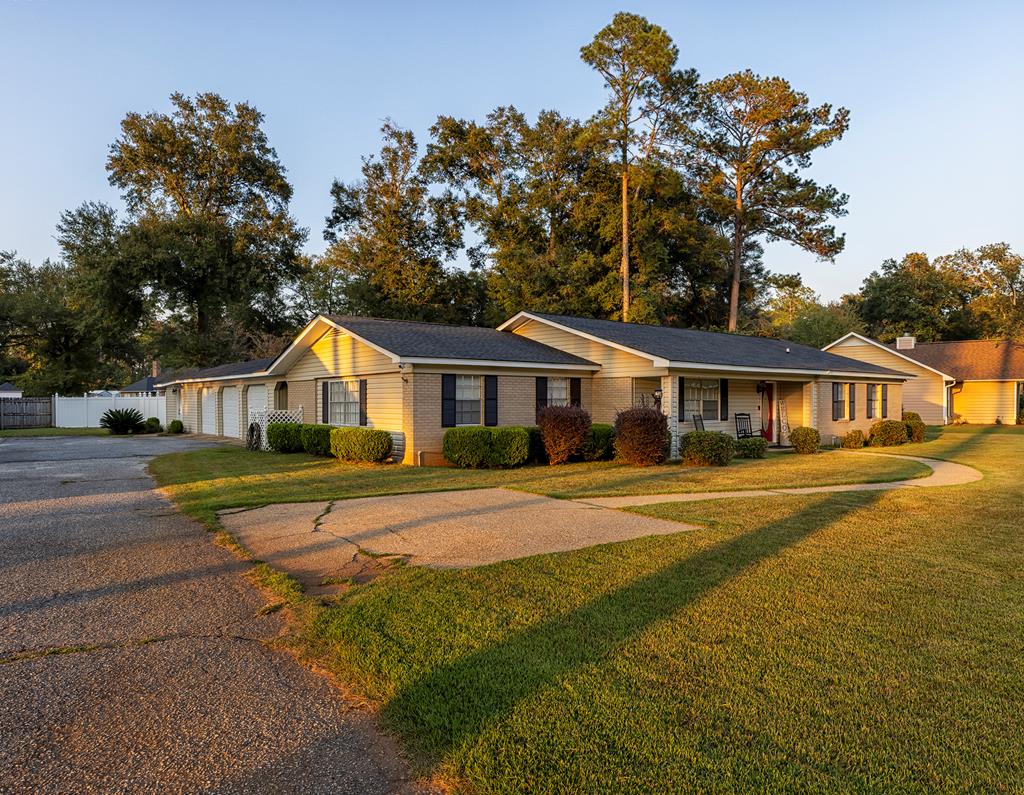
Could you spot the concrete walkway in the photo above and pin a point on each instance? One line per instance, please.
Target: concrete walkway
(944, 473)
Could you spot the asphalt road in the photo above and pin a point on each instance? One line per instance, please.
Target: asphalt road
(132, 654)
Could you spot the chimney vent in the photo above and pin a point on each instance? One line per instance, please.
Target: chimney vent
(905, 343)
(155, 368)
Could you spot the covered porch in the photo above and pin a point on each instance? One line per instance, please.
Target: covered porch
(722, 402)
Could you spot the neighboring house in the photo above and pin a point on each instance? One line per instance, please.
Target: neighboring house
(146, 387)
(979, 381)
(418, 379)
(9, 390)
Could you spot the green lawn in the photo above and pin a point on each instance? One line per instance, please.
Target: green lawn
(13, 432)
(206, 481)
(842, 642)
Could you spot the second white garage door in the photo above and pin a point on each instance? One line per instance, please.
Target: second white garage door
(209, 411)
(229, 411)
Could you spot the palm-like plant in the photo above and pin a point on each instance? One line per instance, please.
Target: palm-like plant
(122, 421)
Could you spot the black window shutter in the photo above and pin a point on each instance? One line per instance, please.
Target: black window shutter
(681, 408)
(837, 396)
(447, 401)
(490, 400)
(362, 401)
(325, 407)
(885, 401)
(723, 399)
(575, 392)
(853, 401)
(542, 392)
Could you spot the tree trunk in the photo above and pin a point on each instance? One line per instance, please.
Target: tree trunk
(624, 266)
(737, 259)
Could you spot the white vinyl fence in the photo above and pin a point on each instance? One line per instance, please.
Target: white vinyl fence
(85, 412)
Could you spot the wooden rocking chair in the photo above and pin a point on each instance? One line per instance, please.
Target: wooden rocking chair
(744, 430)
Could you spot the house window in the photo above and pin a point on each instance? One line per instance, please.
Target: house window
(343, 403)
(467, 400)
(838, 402)
(702, 396)
(872, 400)
(558, 391)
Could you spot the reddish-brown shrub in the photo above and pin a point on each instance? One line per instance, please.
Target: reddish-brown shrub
(564, 430)
(640, 436)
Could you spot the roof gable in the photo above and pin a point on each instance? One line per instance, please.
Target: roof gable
(972, 360)
(885, 349)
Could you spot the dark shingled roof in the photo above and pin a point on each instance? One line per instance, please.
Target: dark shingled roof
(221, 370)
(144, 384)
(971, 360)
(711, 347)
(7, 386)
(410, 339)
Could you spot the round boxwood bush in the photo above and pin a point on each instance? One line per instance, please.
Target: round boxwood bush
(805, 440)
(754, 447)
(915, 430)
(510, 446)
(854, 440)
(175, 426)
(706, 448)
(911, 416)
(640, 436)
(122, 421)
(564, 430)
(468, 447)
(600, 444)
(285, 437)
(888, 433)
(360, 444)
(316, 438)
(153, 425)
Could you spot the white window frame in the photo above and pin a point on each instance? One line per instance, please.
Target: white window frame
(558, 391)
(468, 391)
(343, 394)
(702, 396)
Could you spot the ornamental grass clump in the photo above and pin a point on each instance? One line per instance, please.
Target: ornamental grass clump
(564, 430)
(706, 448)
(641, 434)
(122, 421)
(805, 441)
(888, 433)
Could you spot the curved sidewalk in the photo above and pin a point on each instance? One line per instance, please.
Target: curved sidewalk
(944, 473)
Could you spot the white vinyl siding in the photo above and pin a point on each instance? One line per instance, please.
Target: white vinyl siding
(343, 403)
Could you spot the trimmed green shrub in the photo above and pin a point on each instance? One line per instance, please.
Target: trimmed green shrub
(564, 430)
(888, 433)
(510, 446)
(468, 447)
(854, 440)
(175, 426)
(153, 425)
(915, 430)
(122, 421)
(911, 416)
(360, 444)
(600, 444)
(316, 438)
(640, 436)
(285, 437)
(754, 447)
(706, 448)
(805, 440)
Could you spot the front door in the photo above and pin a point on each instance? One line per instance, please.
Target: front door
(768, 412)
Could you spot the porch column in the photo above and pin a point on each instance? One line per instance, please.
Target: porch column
(670, 399)
(811, 390)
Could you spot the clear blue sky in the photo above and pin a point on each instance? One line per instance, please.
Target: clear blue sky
(932, 162)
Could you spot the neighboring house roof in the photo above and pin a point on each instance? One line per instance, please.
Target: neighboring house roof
(411, 340)
(971, 360)
(7, 386)
(232, 370)
(891, 350)
(147, 384)
(680, 347)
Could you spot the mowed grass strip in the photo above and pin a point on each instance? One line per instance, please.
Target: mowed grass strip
(862, 641)
(206, 481)
(17, 432)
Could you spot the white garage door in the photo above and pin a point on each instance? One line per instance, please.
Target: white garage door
(229, 411)
(209, 411)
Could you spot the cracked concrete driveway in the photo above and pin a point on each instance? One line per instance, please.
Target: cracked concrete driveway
(133, 656)
(444, 529)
